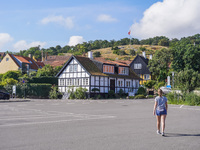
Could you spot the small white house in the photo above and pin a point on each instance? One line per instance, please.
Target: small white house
(104, 75)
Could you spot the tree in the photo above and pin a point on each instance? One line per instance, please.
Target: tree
(186, 56)
(149, 84)
(47, 71)
(97, 54)
(12, 74)
(132, 52)
(159, 65)
(187, 80)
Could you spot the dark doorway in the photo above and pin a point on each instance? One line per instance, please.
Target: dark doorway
(112, 84)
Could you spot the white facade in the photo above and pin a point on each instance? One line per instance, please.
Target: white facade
(75, 75)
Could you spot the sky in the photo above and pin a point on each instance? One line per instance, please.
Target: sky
(29, 23)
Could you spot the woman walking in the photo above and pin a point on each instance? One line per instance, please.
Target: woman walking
(160, 109)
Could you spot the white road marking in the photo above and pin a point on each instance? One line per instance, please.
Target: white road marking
(181, 106)
(84, 117)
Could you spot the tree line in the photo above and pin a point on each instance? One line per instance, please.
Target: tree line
(98, 44)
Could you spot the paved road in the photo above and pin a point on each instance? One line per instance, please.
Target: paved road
(95, 125)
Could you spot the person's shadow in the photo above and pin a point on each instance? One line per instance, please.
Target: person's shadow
(179, 134)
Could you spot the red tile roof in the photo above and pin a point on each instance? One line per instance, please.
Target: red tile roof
(39, 63)
(116, 62)
(22, 59)
(27, 60)
(56, 60)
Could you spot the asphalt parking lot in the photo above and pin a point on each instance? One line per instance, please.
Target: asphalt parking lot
(95, 125)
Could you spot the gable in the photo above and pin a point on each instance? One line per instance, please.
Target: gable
(72, 66)
(7, 64)
(144, 62)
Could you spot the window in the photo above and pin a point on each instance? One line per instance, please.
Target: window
(128, 83)
(120, 83)
(146, 77)
(123, 70)
(108, 69)
(137, 66)
(69, 82)
(62, 82)
(73, 68)
(70, 68)
(7, 59)
(85, 81)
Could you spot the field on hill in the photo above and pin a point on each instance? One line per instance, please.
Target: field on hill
(108, 52)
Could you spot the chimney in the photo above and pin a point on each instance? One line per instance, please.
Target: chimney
(144, 54)
(90, 55)
(150, 56)
(30, 56)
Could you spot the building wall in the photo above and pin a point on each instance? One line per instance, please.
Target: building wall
(7, 65)
(72, 79)
(143, 81)
(103, 84)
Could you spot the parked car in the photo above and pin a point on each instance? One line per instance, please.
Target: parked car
(4, 95)
(165, 90)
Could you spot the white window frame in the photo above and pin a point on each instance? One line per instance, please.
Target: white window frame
(146, 75)
(138, 66)
(62, 82)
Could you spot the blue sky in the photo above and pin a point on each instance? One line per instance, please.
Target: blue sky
(49, 23)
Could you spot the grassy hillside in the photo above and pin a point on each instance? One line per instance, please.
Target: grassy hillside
(108, 53)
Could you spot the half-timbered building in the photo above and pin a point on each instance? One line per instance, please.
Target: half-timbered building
(91, 73)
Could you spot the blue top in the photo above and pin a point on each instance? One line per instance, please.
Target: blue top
(161, 101)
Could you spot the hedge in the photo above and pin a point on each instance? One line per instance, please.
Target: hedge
(32, 90)
(49, 80)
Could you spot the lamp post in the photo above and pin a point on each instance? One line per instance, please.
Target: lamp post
(173, 79)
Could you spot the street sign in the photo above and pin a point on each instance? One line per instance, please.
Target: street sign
(169, 86)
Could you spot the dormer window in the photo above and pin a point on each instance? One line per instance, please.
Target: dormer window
(123, 70)
(138, 66)
(108, 69)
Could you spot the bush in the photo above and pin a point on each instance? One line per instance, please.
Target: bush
(187, 98)
(12, 74)
(80, 93)
(111, 94)
(54, 94)
(158, 85)
(140, 97)
(149, 96)
(96, 54)
(131, 97)
(192, 99)
(149, 84)
(141, 91)
(121, 92)
(132, 52)
(8, 81)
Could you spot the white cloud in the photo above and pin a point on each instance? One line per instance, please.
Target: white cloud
(106, 18)
(23, 45)
(4, 39)
(171, 18)
(66, 22)
(74, 40)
